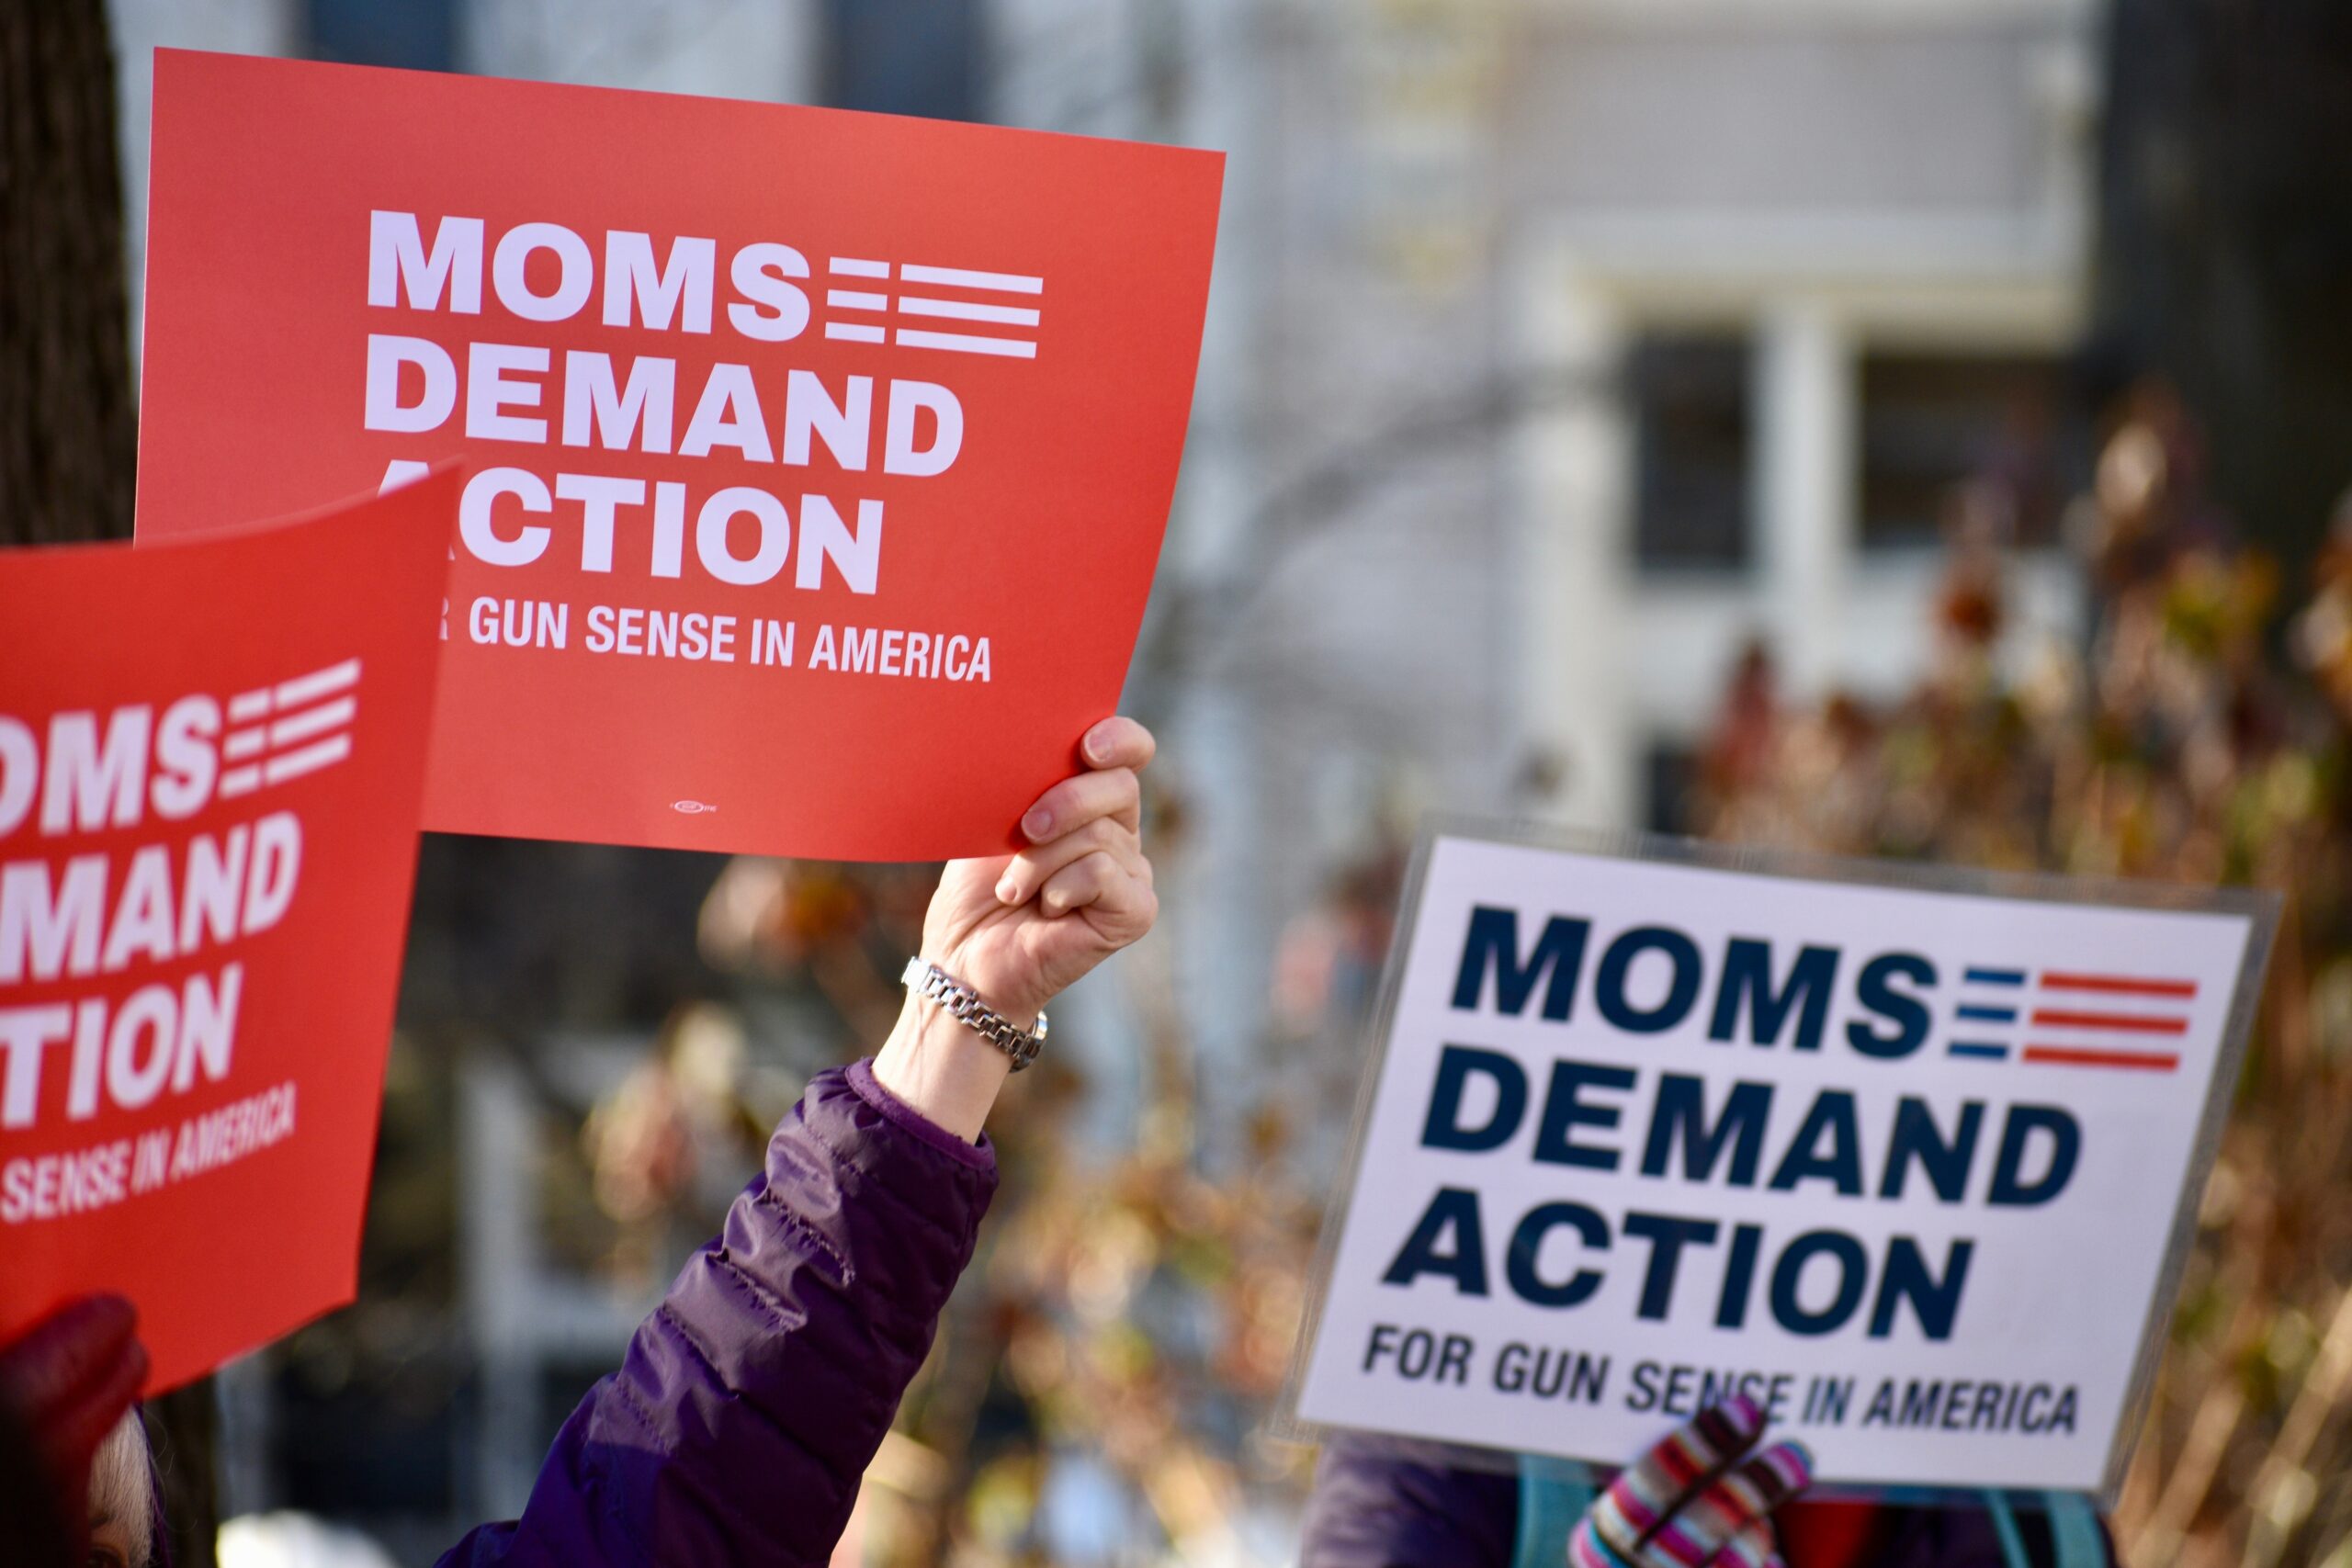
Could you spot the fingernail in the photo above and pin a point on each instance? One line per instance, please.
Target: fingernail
(1038, 823)
(1098, 747)
(1008, 891)
(1744, 1414)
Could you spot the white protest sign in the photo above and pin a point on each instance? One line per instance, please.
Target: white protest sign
(1910, 1157)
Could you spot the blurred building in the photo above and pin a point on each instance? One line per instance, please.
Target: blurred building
(1832, 257)
(1561, 350)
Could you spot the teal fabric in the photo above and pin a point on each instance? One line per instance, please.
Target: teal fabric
(2005, 1521)
(1553, 1495)
(2075, 1539)
(2073, 1524)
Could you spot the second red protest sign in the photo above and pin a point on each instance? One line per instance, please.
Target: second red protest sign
(818, 460)
(210, 760)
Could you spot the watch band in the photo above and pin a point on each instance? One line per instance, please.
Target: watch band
(931, 983)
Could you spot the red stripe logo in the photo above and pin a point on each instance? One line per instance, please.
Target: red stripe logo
(2070, 1014)
(2124, 1022)
(2074, 1056)
(2118, 986)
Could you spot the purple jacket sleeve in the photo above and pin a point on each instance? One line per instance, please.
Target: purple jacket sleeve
(1387, 1503)
(750, 1403)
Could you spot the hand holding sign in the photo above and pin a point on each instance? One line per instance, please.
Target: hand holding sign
(1019, 929)
(1022, 927)
(1692, 1503)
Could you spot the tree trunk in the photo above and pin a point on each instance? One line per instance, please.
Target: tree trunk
(69, 431)
(2225, 243)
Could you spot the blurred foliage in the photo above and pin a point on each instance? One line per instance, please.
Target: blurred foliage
(2201, 738)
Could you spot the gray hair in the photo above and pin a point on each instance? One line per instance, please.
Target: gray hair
(122, 1486)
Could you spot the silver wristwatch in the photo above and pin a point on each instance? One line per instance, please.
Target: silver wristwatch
(931, 983)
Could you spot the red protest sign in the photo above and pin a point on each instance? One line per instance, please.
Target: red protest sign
(819, 460)
(211, 759)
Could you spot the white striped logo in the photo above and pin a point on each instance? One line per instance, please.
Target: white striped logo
(951, 309)
(297, 727)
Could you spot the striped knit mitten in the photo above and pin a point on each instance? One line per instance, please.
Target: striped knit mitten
(1693, 1501)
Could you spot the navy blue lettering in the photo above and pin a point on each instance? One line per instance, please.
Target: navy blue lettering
(1739, 1275)
(1493, 944)
(1748, 975)
(1853, 1265)
(1936, 1301)
(1527, 1244)
(1608, 983)
(1644, 1396)
(1875, 990)
(1443, 1129)
(1666, 1234)
(1564, 1108)
(2009, 1188)
(1917, 1138)
(1453, 1211)
(1831, 1121)
(1682, 1108)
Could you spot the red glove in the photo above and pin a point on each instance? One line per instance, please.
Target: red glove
(69, 1379)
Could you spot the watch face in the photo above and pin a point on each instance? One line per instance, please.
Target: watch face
(1042, 1026)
